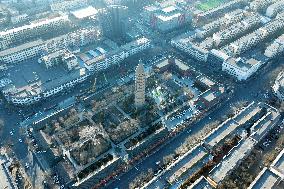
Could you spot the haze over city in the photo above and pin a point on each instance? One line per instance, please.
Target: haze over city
(141, 94)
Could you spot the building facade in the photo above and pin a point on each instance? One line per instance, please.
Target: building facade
(240, 68)
(140, 80)
(278, 87)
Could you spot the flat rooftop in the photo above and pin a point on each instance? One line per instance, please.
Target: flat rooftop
(248, 113)
(278, 163)
(85, 12)
(181, 65)
(221, 132)
(201, 183)
(265, 179)
(31, 78)
(236, 155)
(5, 181)
(21, 47)
(196, 155)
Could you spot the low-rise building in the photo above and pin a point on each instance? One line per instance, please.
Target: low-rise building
(19, 18)
(278, 87)
(201, 183)
(33, 85)
(6, 180)
(84, 13)
(66, 5)
(22, 52)
(271, 177)
(236, 155)
(102, 59)
(276, 48)
(275, 8)
(241, 68)
(20, 34)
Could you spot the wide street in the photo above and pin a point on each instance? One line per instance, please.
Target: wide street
(252, 90)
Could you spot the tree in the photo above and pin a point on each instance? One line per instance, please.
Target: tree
(168, 159)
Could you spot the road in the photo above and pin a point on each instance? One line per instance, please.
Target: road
(252, 90)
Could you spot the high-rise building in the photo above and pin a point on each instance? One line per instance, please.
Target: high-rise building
(140, 86)
(114, 21)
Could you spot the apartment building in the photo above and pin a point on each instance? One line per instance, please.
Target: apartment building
(104, 59)
(276, 48)
(52, 59)
(251, 40)
(241, 68)
(22, 52)
(220, 23)
(259, 5)
(30, 31)
(199, 43)
(78, 38)
(278, 87)
(275, 8)
(237, 30)
(220, 10)
(272, 176)
(66, 5)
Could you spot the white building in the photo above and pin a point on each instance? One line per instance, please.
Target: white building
(64, 57)
(19, 18)
(78, 38)
(38, 90)
(34, 29)
(259, 5)
(84, 13)
(22, 52)
(253, 39)
(165, 19)
(236, 30)
(52, 59)
(70, 60)
(275, 8)
(278, 87)
(106, 59)
(240, 68)
(194, 50)
(65, 5)
(276, 48)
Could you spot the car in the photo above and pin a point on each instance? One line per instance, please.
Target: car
(20, 140)
(11, 133)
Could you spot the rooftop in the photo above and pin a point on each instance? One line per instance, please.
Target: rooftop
(278, 163)
(33, 25)
(85, 12)
(21, 47)
(242, 63)
(201, 183)
(30, 78)
(5, 181)
(236, 155)
(265, 179)
(196, 155)
(221, 132)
